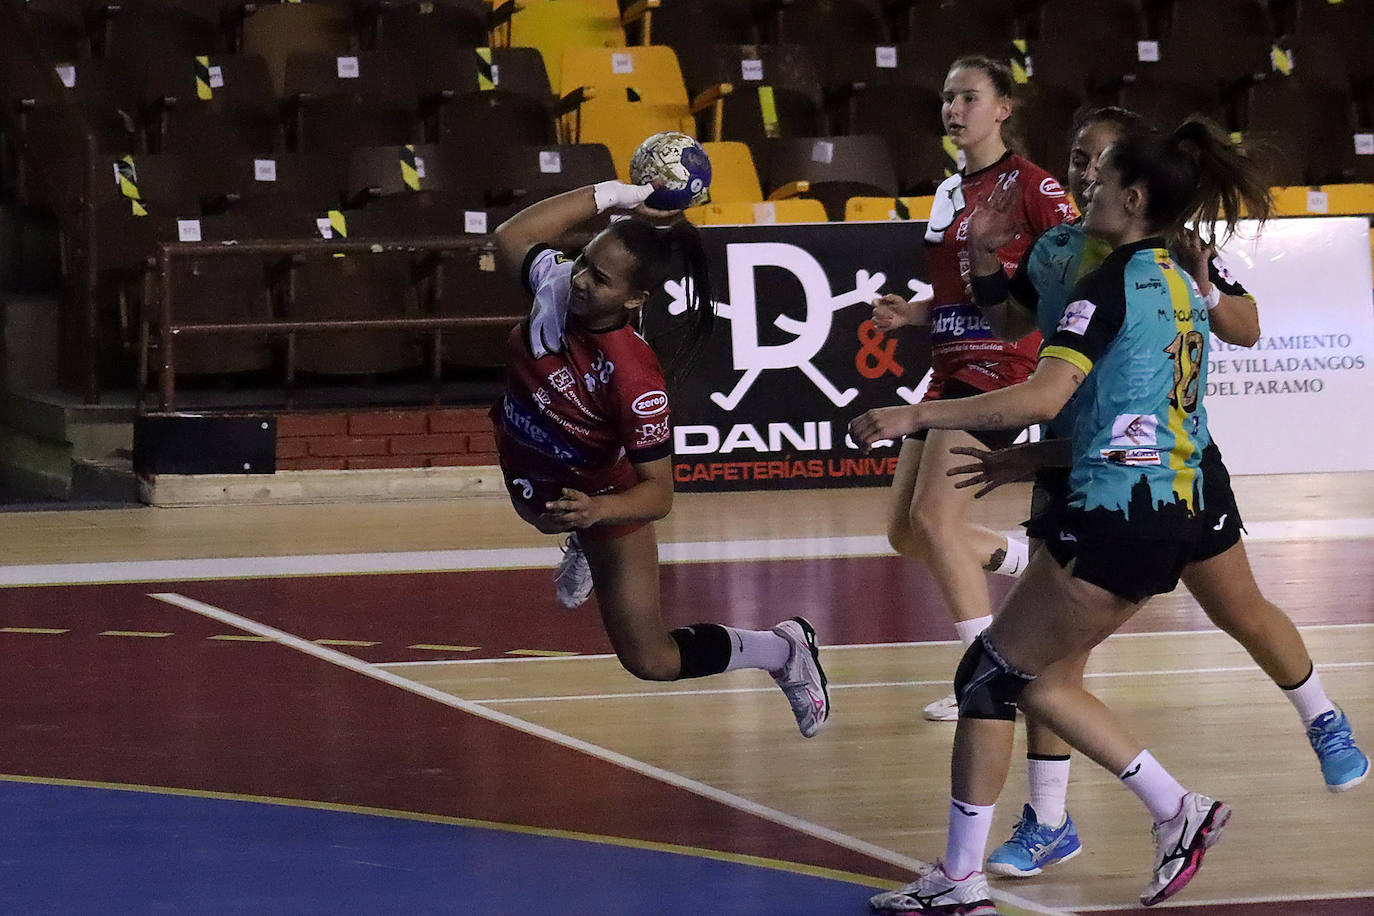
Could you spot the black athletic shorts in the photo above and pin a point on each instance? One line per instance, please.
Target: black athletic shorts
(990, 438)
(1222, 522)
(1131, 568)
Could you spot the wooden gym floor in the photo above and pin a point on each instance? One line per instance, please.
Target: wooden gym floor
(381, 708)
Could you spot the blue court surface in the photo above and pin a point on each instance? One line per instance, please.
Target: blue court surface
(85, 849)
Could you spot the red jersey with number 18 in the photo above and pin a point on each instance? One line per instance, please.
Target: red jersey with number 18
(579, 406)
(963, 345)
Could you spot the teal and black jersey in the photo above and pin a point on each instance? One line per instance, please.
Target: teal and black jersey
(1044, 281)
(1138, 330)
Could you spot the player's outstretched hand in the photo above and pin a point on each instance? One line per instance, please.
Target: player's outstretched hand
(992, 469)
(893, 311)
(573, 508)
(884, 423)
(995, 222)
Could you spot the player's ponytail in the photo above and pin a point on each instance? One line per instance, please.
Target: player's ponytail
(664, 254)
(1197, 173)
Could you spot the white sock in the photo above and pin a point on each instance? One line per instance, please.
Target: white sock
(1153, 785)
(1049, 788)
(968, 630)
(1015, 558)
(1308, 697)
(969, 826)
(757, 649)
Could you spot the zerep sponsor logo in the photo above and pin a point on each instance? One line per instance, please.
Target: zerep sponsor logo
(1051, 188)
(650, 403)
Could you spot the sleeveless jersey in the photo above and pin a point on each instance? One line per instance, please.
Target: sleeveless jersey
(579, 406)
(963, 345)
(1059, 258)
(1138, 330)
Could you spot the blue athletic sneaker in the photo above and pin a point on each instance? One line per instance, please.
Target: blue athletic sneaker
(1033, 846)
(1344, 765)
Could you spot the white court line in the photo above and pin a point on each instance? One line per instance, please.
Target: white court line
(876, 685)
(535, 557)
(837, 648)
(738, 802)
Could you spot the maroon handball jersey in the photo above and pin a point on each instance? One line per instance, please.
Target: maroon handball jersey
(580, 406)
(963, 345)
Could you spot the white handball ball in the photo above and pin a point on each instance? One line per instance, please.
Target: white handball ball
(678, 168)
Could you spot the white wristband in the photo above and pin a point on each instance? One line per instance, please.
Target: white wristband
(620, 195)
(1213, 298)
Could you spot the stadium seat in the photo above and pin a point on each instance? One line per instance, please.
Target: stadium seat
(419, 28)
(523, 175)
(887, 209)
(634, 93)
(555, 26)
(793, 210)
(220, 103)
(358, 286)
(845, 21)
(835, 168)
(277, 30)
(339, 102)
(734, 177)
(685, 24)
(1080, 44)
(138, 29)
(768, 91)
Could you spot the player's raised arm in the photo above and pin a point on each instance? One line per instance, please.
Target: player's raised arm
(552, 217)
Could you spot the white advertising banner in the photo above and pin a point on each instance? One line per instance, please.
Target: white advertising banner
(1302, 398)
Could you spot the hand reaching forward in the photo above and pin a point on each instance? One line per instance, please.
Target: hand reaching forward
(992, 469)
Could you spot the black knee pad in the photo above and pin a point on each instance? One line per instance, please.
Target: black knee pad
(985, 685)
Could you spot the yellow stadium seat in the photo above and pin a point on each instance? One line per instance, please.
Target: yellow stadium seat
(882, 209)
(553, 26)
(734, 179)
(631, 93)
(1338, 200)
(793, 210)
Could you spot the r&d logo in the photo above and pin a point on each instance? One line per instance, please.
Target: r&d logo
(810, 334)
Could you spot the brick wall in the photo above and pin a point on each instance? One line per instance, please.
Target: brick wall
(416, 438)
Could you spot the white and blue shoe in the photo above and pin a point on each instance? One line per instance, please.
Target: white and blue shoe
(1034, 846)
(1344, 765)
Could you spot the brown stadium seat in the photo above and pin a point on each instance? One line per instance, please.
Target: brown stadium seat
(845, 21)
(684, 24)
(487, 97)
(272, 189)
(417, 28)
(213, 289)
(776, 92)
(137, 29)
(1078, 45)
(278, 30)
(836, 168)
(59, 27)
(867, 84)
(212, 103)
(1304, 132)
(379, 171)
(523, 175)
(336, 102)
(358, 286)
(1190, 39)
(1041, 122)
(948, 29)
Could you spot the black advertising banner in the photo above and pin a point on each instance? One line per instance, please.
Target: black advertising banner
(794, 356)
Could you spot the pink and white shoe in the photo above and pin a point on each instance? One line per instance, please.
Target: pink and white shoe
(802, 679)
(1180, 843)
